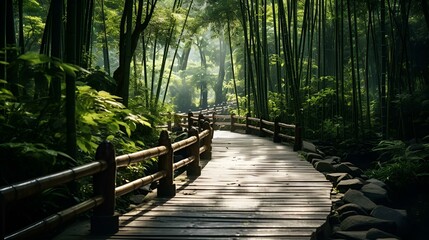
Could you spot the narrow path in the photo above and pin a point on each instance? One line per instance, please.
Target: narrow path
(252, 188)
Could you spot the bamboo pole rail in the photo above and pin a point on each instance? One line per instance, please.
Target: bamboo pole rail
(278, 130)
(103, 170)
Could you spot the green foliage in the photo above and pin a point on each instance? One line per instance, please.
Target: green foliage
(33, 133)
(99, 80)
(21, 161)
(275, 104)
(400, 164)
(100, 116)
(330, 128)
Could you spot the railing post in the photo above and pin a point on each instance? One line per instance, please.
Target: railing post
(207, 141)
(200, 121)
(247, 123)
(298, 138)
(194, 168)
(190, 120)
(104, 220)
(276, 137)
(233, 120)
(166, 187)
(261, 126)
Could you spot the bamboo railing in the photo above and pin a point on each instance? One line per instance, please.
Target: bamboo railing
(277, 130)
(103, 170)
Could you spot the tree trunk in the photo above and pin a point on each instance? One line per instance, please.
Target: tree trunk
(232, 67)
(71, 43)
(354, 86)
(425, 10)
(203, 82)
(7, 40)
(383, 96)
(127, 51)
(183, 63)
(176, 50)
(105, 43)
(219, 96)
(53, 44)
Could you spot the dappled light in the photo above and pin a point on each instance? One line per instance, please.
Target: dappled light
(106, 103)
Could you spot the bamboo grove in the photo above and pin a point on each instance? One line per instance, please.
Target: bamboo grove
(353, 74)
(339, 68)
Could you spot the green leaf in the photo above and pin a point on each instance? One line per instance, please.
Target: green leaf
(89, 119)
(85, 88)
(34, 58)
(105, 94)
(68, 69)
(82, 146)
(127, 128)
(113, 127)
(48, 78)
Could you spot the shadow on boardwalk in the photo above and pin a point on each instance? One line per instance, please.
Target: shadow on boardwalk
(251, 188)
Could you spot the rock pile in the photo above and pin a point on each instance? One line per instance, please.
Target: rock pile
(360, 208)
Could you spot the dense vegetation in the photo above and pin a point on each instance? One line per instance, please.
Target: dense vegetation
(353, 73)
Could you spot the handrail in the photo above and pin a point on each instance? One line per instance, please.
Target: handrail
(276, 129)
(103, 170)
(22, 190)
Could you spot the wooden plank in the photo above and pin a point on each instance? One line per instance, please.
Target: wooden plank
(251, 188)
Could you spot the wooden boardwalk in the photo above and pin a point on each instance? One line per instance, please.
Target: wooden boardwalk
(252, 188)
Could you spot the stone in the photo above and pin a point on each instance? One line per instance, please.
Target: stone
(347, 214)
(335, 159)
(388, 238)
(349, 168)
(361, 223)
(396, 215)
(316, 160)
(137, 199)
(363, 176)
(310, 156)
(349, 164)
(357, 197)
(336, 177)
(351, 207)
(375, 233)
(374, 192)
(345, 185)
(377, 182)
(309, 146)
(324, 167)
(350, 235)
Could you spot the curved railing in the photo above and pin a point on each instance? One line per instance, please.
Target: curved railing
(277, 130)
(103, 170)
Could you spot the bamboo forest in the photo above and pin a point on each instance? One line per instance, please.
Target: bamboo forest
(353, 75)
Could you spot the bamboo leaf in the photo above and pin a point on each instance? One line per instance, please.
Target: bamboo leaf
(68, 69)
(82, 146)
(34, 58)
(127, 128)
(89, 119)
